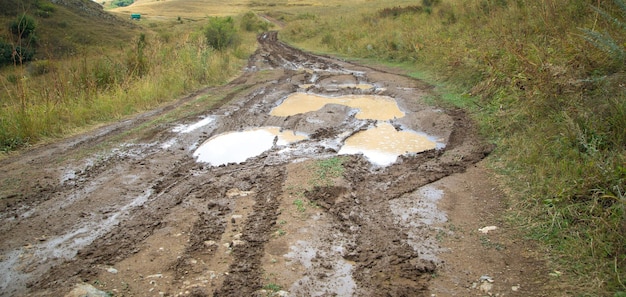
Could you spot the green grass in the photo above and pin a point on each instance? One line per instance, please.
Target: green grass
(549, 96)
(326, 170)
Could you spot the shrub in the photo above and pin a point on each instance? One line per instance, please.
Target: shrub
(122, 3)
(220, 33)
(24, 26)
(11, 55)
(45, 9)
(41, 67)
(252, 23)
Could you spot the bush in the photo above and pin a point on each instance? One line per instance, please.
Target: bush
(122, 3)
(252, 23)
(220, 33)
(45, 9)
(41, 67)
(24, 26)
(11, 55)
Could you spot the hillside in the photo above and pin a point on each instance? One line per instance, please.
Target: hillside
(69, 27)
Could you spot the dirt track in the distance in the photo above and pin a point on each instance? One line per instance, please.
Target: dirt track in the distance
(146, 219)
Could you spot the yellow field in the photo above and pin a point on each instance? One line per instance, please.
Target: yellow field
(193, 9)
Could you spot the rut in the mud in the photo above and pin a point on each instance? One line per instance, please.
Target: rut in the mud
(146, 219)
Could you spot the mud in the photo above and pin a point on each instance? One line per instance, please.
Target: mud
(146, 218)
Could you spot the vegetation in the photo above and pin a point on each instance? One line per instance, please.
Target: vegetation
(544, 79)
(326, 170)
(59, 94)
(220, 33)
(252, 23)
(122, 3)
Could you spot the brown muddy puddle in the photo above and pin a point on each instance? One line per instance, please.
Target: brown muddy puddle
(383, 144)
(370, 107)
(236, 147)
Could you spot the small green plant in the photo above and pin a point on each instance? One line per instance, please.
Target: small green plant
(604, 41)
(281, 232)
(299, 205)
(272, 287)
(326, 170)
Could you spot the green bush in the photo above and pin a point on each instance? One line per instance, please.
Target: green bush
(122, 3)
(220, 33)
(14, 55)
(45, 9)
(252, 23)
(24, 26)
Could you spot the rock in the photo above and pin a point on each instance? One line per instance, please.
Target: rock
(485, 287)
(86, 290)
(486, 229)
(238, 242)
(112, 270)
(486, 278)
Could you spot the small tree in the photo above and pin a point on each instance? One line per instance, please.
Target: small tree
(23, 27)
(220, 32)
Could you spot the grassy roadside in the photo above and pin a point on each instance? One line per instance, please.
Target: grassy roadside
(545, 81)
(154, 63)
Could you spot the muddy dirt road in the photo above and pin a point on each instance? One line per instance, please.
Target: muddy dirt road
(299, 217)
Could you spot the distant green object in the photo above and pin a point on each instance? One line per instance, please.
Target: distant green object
(135, 16)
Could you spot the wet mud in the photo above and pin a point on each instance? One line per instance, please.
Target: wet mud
(147, 218)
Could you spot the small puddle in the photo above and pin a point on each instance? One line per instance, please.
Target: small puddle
(419, 214)
(344, 86)
(370, 107)
(194, 126)
(338, 280)
(236, 147)
(382, 145)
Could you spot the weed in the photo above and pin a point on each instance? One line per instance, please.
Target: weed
(300, 206)
(486, 242)
(326, 170)
(272, 287)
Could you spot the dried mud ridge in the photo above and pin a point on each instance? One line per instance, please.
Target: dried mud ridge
(145, 219)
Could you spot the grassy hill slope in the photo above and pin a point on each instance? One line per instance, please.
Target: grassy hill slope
(91, 66)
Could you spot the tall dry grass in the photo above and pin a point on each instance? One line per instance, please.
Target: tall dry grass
(51, 98)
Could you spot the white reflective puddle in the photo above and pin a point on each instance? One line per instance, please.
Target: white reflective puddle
(370, 107)
(189, 128)
(382, 145)
(236, 147)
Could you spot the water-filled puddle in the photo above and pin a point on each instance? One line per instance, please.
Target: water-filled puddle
(236, 147)
(194, 126)
(344, 86)
(382, 145)
(370, 107)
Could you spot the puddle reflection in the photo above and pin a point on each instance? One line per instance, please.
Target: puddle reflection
(236, 147)
(370, 107)
(382, 145)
